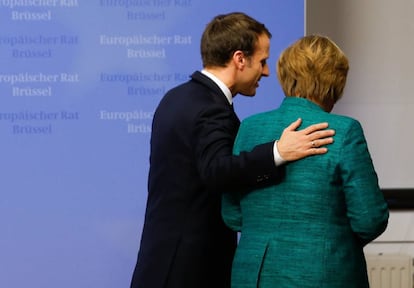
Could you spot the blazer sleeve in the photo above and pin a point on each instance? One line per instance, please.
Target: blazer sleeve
(367, 209)
(215, 133)
(231, 211)
(231, 208)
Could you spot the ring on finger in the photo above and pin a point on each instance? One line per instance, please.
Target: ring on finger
(313, 144)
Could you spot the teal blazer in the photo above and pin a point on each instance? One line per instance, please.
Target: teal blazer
(309, 229)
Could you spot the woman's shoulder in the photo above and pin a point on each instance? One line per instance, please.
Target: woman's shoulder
(261, 117)
(343, 120)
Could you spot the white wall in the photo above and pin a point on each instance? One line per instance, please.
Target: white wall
(377, 36)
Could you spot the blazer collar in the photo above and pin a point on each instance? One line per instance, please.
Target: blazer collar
(206, 81)
(297, 102)
(221, 84)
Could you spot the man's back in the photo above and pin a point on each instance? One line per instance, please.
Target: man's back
(184, 241)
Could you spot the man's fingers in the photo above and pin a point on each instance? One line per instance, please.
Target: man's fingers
(315, 127)
(297, 144)
(318, 151)
(294, 125)
(321, 134)
(321, 142)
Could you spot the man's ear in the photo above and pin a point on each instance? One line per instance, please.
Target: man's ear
(239, 59)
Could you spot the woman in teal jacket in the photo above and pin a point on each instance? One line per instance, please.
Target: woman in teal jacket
(309, 229)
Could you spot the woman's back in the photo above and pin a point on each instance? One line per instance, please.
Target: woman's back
(310, 228)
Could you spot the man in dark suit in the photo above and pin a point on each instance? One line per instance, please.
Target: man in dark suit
(185, 243)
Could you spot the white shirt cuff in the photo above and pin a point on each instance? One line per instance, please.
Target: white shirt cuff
(278, 159)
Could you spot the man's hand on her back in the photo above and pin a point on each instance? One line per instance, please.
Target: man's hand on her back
(294, 145)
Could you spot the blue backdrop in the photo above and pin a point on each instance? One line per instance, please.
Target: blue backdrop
(79, 81)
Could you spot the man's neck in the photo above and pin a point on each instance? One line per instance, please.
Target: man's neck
(225, 75)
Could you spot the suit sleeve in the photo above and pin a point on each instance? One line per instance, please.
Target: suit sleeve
(367, 209)
(231, 209)
(215, 133)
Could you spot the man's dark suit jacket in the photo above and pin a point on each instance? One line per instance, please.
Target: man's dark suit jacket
(185, 243)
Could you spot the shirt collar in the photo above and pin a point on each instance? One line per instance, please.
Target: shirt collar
(220, 83)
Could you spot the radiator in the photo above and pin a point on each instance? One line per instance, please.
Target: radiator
(390, 270)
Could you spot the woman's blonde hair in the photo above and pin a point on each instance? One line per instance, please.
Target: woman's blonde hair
(314, 67)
